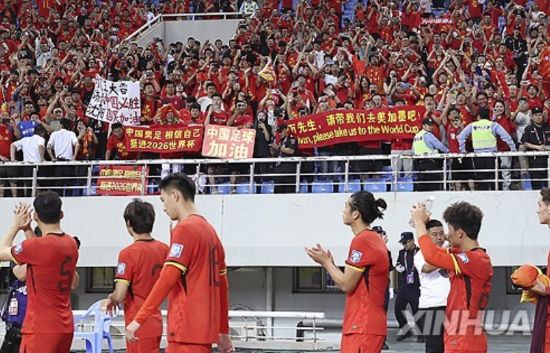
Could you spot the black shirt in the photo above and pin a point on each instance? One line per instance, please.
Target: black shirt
(289, 142)
(536, 135)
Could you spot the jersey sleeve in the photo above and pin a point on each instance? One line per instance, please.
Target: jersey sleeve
(125, 268)
(472, 264)
(436, 256)
(182, 249)
(28, 252)
(358, 255)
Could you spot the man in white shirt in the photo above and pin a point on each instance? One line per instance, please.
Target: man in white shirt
(434, 289)
(34, 148)
(249, 7)
(63, 146)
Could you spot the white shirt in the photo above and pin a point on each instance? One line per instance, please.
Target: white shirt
(522, 121)
(434, 288)
(62, 142)
(30, 146)
(204, 102)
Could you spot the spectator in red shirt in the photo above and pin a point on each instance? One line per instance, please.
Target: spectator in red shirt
(116, 144)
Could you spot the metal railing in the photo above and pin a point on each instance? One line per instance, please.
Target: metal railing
(248, 330)
(377, 173)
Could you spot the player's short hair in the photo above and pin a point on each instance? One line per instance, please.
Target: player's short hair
(140, 216)
(180, 182)
(48, 207)
(545, 195)
(369, 207)
(465, 216)
(432, 223)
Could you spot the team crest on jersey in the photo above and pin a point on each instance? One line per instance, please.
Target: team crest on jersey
(18, 248)
(355, 256)
(121, 268)
(463, 257)
(176, 250)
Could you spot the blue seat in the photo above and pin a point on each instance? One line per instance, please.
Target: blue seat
(267, 187)
(526, 182)
(245, 188)
(354, 185)
(376, 185)
(403, 184)
(319, 187)
(101, 329)
(303, 187)
(224, 188)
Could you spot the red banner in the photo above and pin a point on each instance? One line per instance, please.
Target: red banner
(437, 21)
(164, 139)
(228, 142)
(121, 180)
(341, 126)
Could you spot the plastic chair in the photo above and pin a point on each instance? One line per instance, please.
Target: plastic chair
(319, 187)
(526, 182)
(102, 324)
(403, 184)
(224, 188)
(376, 185)
(354, 185)
(244, 188)
(267, 187)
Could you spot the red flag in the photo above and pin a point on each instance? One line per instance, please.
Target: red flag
(43, 7)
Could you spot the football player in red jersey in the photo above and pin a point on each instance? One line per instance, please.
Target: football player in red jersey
(194, 277)
(51, 274)
(470, 271)
(365, 278)
(138, 270)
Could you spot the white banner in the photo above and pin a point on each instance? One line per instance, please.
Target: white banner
(115, 102)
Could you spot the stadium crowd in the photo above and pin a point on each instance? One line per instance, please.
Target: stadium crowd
(461, 59)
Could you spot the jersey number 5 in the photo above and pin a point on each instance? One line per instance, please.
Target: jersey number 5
(64, 284)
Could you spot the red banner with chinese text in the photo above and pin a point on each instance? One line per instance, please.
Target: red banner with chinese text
(228, 142)
(437, 21)
(342, 126)
(164, 139)
(122, 180)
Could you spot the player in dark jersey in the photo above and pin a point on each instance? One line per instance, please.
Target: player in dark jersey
(470, 271)
(138, 269)
(365, 278)
(51, 267)
(194, 278)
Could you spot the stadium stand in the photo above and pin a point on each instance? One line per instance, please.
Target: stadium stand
(288, 59)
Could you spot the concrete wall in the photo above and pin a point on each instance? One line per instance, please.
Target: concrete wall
(172, 31)
(272, 230)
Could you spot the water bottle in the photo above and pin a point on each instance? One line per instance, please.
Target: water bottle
(428, 203)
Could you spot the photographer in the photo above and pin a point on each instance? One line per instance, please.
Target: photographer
(518, 46)
(14, 309)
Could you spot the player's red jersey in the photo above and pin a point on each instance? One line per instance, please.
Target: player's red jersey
(194, 304)
(51, 266)
(470, 274)
(139, 265)
(364, 312)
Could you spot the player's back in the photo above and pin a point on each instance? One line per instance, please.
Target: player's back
(140, 265)
(364, 310)
(51, 265)
(194, 305)
(468, 298)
